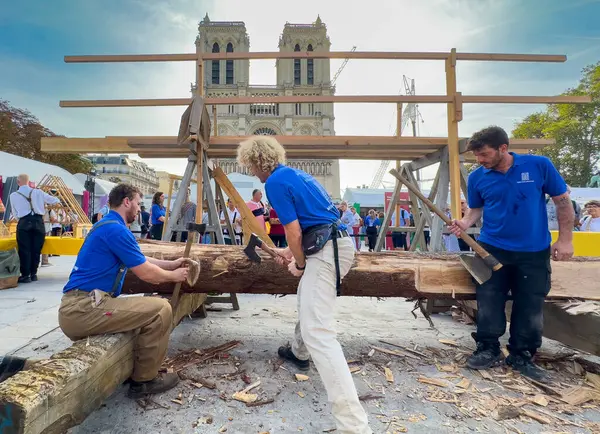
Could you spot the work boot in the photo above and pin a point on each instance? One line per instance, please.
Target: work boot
(485, 356)
(34, 278)
(287, 354)
(24, 279)
(161, 383)
(522, 363)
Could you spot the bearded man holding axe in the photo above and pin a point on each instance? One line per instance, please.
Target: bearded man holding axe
(321, 253)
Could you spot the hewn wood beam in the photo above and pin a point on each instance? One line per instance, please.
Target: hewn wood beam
(398, 55)
(417, 99)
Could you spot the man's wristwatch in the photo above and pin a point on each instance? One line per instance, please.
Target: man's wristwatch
(299, 268)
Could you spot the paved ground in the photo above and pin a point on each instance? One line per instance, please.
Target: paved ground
(264, 323)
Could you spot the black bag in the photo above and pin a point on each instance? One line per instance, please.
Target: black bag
(315, 238)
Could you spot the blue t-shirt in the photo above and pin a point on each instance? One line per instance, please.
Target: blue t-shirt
(372, 222)
(404, 215)
(514, 206)
(298, 196)
(102, 254)
(157, 211)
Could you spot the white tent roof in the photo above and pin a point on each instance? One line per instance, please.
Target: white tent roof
(13, 165)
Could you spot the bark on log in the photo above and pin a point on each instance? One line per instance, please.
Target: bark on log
(60, 393)
(226, 269)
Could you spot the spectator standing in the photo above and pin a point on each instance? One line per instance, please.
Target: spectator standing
(372, 224)
(157, 215)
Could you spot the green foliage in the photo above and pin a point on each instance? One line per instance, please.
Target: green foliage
(574, 127)
(21, 134)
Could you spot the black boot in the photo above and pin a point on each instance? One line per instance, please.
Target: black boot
(24, 279)
(287, 354)
(522, 363)
(485, 356)
(34, 278)
(160, 384)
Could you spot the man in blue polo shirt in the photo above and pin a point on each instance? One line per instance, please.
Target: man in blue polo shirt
(91, 306)
(508, 191)
(312, 231)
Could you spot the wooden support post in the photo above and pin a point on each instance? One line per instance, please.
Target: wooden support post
(199, 152)
(419, 238)
(441, 202)
(168, 210)
(453, 148)
(215, 129)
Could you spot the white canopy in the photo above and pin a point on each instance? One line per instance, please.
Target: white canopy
(13, 165)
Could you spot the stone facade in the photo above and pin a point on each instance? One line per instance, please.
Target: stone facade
(124, 169)
(228, 78)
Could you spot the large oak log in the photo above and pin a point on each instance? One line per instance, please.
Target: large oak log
(387, 274)
(57, 394)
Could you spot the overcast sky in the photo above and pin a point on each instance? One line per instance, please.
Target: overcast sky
(36, 34)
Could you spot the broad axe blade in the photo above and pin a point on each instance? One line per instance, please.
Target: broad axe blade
(250, 248)
(195, 227)
(476, 267)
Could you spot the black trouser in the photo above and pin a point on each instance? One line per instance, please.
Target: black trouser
(279, 240)
(527, 275)
(399, 240)
(156, 231)
(30, 240)
(462, 244)
(372, 236)
(184, 236)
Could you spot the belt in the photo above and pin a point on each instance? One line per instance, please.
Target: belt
(341, 234)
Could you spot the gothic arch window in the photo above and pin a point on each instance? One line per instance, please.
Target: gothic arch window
(229, 66)
(297, 67)
(216, 68)
(265, 131)
(310, 68)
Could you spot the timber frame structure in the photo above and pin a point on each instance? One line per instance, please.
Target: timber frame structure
(423, 151)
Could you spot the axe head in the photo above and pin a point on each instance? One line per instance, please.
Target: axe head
(250, 249)
(195, 227)
(477, 267)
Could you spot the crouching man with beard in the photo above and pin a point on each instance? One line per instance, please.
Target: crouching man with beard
(91, 304)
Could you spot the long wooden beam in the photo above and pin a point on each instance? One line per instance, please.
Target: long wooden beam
(416, 99)
(389, 274)
(397, 55)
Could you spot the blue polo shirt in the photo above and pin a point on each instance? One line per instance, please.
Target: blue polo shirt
(514, 206)
(102, 254)
(157, 211)
(298, 196)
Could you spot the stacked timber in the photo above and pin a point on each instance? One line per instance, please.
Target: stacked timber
(383, 274)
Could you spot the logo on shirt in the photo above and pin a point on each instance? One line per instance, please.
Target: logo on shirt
(524, 178)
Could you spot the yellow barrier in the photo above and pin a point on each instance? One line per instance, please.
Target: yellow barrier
(52, 246)
(584, 243)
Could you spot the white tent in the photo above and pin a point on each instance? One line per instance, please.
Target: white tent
(13, 165)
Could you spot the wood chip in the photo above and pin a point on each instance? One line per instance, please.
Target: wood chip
(409, 353)
(300, 394)
(329, 429)
(464, 383)
(578, 395)
(354, 369)
(371, 353)
(504, 412)
(593, 379)
(302, 377)
(389, 376)
(433, 381)
(177, 401)
(486, 375)
(535, 416)
(446, 368)
(259, 403)
(223, 429)
(370, 396)
(252, 386)
(390, 352)
(245, 397)
(540, 400)
(449, 342)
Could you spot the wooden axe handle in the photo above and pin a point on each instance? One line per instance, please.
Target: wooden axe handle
(465, 237)
(186, 254)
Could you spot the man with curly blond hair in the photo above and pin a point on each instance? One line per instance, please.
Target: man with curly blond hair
(321, 253)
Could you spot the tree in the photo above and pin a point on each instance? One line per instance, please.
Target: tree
(575, 129)
(21, 134)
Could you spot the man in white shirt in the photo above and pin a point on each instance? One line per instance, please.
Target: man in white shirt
(236, 221)
(28, 207)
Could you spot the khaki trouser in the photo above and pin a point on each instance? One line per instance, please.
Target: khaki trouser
(80, 316)
(315, 335)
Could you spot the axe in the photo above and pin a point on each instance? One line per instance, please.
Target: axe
(254, 242)
(191, 227)
(480, 265)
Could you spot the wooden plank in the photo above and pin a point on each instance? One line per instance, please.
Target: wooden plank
(389, 274)
(398, 55)
(453, 119)
(416, 99)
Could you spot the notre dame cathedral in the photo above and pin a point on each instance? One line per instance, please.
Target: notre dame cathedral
(226, 78)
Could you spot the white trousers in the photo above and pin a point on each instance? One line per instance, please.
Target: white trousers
(315, 335)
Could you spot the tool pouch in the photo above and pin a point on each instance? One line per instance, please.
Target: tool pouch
(315, 238)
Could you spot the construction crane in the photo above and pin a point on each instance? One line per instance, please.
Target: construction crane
(339, 71)
(410, 113)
